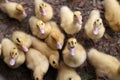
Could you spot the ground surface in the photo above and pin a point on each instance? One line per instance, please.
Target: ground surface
(110, 43)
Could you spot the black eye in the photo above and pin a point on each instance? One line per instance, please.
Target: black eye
(97, 20)
(15, 53)
(70, 79)
(53, 62)
(100, 23)
(18, 40)
(14, 48)
(75, 42)
(37, 79)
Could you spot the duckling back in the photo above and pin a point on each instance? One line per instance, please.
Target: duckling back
(34, 58)
(103, 64)
(66, 16)
(67, 73)
(52, 55)
(112, 14)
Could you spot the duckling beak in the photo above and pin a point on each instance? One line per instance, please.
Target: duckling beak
(25, 48)
(44, 12)
(80, 21)
(96, 30)
(42, 31)
(12, 61)
(24, 14)
(59, 46)
(72, 51)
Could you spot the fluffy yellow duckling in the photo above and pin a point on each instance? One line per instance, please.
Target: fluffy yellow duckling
(112, 13)
(13, 57)
(67, 73)
(39, 28)
(94, 26)
(55, 40)
(52, 55)
(74, 54)
(43, 10)
(105, 65)
(22, 39)
(71, 23)
(13, 9)
(37, 62)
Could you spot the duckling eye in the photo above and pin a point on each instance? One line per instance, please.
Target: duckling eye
(15, 53)
(18, 40)
(41, 23)
(100, 23)
(14, 48)
(97, 20)
(70, 79)
(53, 62)
(75, 42)
(37, 79)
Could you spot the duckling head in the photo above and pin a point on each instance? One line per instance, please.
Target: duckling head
(38, 74)
(40, 26)
(20, 10)
(56, 39)
(42, 9)
(78, 17)
(13, 55)
(71, 44)
(20, 43)
(96, 26)
(54, 61)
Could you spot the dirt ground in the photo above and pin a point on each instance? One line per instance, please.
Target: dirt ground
(110, 43)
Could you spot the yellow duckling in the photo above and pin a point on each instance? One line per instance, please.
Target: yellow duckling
(55, 40)
(22, 39)
(13, 57)
(94, 26)
(43, 10)
(67, 73)
(71, 23)
(52, 55)
(13, 9)
(112, 13)
(37, 62)
(39, 28)
(74, 54)
(105, 65)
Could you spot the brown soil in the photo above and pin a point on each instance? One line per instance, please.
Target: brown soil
(110, 43)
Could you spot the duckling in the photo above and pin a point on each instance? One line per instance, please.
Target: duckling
(55, 39)
(74, 54)
(112, 14)
(37, 62)
(22, 39)
(43, 10)
(14, 10)
(94, 26)
(105, 65)
(13, 57)
(71, 23)
(52, 55)
(0, 49)
(39, 28)
(67, 73)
